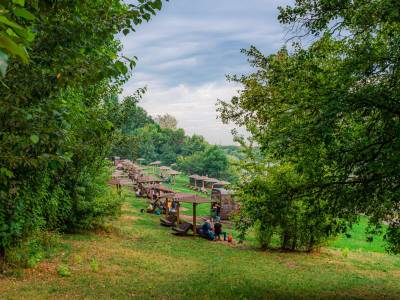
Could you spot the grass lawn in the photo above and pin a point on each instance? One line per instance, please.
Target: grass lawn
(357, 241)
(137, 258)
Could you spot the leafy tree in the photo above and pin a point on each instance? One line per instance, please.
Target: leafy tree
(330, 114)
(193, 144)
(57, 117)
(170, 144)
(148, 139)
(211, 162)
(166, 121)
(15, 31)
(128, 119)
(214, 161)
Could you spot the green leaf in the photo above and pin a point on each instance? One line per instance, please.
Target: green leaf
(5, 20)
(23, 13)
(3, 63)
(19, 2)
(125, 31)
(6, 172)
(13, 48)
(34, 138)
(157, 4)
(121, 67)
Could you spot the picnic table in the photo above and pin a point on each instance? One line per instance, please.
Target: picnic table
(188, 198)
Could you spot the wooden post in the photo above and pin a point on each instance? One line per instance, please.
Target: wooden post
(177, 212)
(194, 219)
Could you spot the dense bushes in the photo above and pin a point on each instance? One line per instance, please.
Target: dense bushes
(57, 117)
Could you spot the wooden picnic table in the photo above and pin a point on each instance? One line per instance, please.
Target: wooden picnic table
(188, 198)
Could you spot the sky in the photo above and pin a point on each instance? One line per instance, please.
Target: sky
(185, 52)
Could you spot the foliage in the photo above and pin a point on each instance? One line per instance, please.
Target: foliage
(268, 202)
(57, 117)
(16, 32)
(237, 272)
(29, 252)
(211, 162)
(63, 270)
(166, 121)
(331, 112)
(139, 136)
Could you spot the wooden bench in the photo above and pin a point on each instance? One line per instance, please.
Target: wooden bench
(182, 229)
(169, 221)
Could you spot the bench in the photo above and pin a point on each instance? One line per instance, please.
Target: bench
(182, 229)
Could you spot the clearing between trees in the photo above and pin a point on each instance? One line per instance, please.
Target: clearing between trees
(134, 257)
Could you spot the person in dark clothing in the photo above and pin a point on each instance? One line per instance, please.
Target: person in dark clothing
(218, 229)
(206, 230)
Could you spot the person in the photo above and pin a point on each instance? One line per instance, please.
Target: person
(218, 209)
(213, 211)
(218, 229)
(206, 230)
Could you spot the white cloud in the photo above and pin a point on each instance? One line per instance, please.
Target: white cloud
(186, 51)
(193, 106)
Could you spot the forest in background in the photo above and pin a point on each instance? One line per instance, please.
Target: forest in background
(160, 139)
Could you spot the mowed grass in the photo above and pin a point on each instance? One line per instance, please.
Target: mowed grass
(136, 258)
(356, 242)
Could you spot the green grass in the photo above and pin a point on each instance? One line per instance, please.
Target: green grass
(357, 241)
(135, 258)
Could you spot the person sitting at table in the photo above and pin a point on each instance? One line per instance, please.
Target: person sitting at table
(218, 229)
(215, 210)
(206, 230)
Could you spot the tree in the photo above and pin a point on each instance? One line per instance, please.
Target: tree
(56, 114)
(211, 162)
(15, 32)
(331, 113)
(193, 144)
(166, 121)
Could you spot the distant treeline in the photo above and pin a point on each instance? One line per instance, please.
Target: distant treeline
(141, 136)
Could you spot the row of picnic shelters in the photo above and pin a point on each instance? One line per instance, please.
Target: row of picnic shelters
(168, 202)
(203, 183)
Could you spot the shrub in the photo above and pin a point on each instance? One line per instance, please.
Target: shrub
(267, 203)
(94, 265)
(30, 252)
(63, 270)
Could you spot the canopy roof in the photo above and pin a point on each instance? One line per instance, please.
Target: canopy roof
(173, 172)
(187, 198)
(194, 176)
(141, 159)
(154, 163)
(223, 191)
(114, 181)
(165, 168)
(201, 178)
(211, 180)
(223, 182)
(159, 187)
(149, 179)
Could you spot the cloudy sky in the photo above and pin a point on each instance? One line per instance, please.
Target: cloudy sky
(188, 48)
